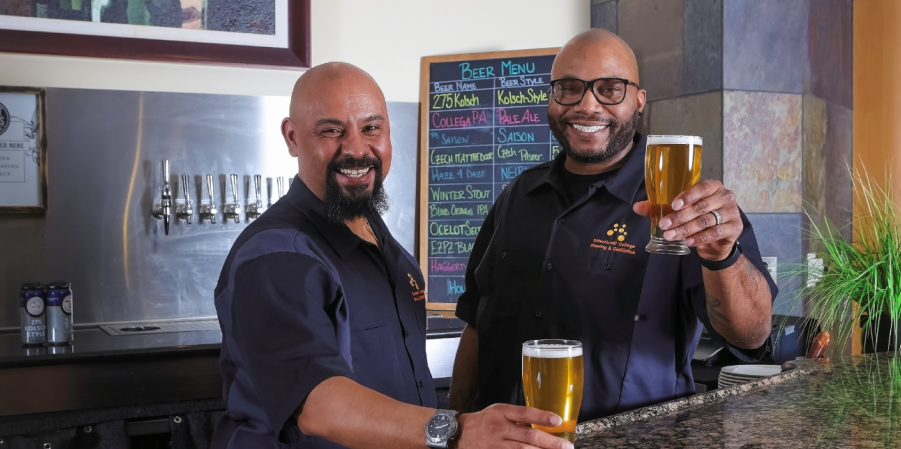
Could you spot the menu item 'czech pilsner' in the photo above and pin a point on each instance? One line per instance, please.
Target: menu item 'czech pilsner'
(672, 166)
(552, 376)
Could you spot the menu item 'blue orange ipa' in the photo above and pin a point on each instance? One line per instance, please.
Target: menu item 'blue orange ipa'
(552, 380)
(672, 166)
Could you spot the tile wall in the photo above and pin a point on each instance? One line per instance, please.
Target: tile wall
(767, 83)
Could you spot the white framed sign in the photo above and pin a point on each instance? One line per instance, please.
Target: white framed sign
(23, 150)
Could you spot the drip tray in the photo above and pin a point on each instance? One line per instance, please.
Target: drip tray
(160, 327)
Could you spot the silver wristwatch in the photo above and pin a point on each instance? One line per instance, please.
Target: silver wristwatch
(441, 429)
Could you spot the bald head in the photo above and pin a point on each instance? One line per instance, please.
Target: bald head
(325, 79)
(596, 131)
(338, 130)
(601, 48)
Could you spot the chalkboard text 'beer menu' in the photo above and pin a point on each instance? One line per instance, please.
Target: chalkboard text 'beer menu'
(484, 121)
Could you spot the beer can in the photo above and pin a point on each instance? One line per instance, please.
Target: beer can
(33, 313)
(59, 313)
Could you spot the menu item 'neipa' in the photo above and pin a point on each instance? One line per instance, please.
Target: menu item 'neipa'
(552, 376)
(672, 166)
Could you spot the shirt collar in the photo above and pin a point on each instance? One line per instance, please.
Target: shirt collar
(623, 184)
(338, 235)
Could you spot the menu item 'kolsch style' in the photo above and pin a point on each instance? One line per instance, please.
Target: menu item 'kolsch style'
(672, 166)
(552, 377)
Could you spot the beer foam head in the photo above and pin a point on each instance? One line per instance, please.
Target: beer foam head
(551, 351)
(675, 140)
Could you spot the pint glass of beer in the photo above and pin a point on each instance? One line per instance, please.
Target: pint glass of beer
(672, 165)
(552, 374)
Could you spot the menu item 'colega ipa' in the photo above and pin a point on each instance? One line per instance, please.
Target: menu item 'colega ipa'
(552, 376)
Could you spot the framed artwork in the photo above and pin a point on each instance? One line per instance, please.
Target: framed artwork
(261, 33)
(23, 150)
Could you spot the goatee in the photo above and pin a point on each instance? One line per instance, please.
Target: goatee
(621, 135)
(345, 203)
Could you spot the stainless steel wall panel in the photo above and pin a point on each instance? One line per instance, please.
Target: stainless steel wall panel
(104, 153)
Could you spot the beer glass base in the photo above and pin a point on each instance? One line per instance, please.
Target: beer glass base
(568, 436)
(661, 246)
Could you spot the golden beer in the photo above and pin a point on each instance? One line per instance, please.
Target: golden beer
(672, 166)
(552, 376)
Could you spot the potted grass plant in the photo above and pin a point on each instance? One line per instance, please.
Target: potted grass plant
(859, 281)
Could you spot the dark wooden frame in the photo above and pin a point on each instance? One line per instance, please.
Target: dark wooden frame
(297, 55)
(40, 143)
(422, 177)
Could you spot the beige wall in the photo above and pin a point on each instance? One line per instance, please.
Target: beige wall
(877, 88)
(386, 38)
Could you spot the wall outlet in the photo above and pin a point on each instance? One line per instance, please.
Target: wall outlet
(814, 269)
(770, 263)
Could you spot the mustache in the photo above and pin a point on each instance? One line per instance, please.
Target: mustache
(599, 118)
(348, 162)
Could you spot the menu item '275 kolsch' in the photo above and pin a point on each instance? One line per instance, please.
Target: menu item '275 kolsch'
(552, 380)
(672, 166)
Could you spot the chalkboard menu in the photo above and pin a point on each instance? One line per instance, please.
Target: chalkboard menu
(483, 121)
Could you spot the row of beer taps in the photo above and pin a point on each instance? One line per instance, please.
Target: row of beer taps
(207, 211)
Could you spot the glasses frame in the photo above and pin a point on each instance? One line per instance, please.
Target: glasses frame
(589, 85)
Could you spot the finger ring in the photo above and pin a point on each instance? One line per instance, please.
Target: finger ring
(719, 218)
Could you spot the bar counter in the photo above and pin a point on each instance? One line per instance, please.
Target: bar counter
(849, 402)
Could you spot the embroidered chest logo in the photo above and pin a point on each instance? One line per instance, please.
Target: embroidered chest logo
(418, 293)
(614, 241)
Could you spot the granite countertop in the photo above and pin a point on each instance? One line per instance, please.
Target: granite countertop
(849, 402)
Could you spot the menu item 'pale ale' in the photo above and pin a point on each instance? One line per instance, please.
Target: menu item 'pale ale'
(552, 376)
(672, 166)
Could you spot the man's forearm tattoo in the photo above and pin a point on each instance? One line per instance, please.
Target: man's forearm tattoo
(716, 317)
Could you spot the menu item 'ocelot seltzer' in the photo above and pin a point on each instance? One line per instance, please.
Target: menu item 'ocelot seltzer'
(32, 314)
(59, 313)
(672, 166)
(552, 380)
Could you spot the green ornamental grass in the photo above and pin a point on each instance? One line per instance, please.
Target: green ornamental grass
(866, 271)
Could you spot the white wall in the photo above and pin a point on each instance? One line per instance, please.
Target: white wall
(386, 38)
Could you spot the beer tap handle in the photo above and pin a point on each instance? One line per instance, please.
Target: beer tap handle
(269, 191)
(209, 185)
(163, 209)
(281, 186)
(235, 208)
(185, 211)
(258, 188)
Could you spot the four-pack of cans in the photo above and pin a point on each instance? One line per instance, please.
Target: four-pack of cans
(45, 313)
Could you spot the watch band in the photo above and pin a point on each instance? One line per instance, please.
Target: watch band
(725, 263)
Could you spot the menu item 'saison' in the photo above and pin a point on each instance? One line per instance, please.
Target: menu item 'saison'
(484, 123)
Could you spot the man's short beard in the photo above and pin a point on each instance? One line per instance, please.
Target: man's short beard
(349, 203)
(621, 135)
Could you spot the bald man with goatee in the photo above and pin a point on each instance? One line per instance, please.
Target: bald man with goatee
(561, 255)
(322, 313)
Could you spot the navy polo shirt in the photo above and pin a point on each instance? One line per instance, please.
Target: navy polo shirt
(301, 300)
(542, 267)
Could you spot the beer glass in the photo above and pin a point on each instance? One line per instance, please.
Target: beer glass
(552, 373)
(672, 166)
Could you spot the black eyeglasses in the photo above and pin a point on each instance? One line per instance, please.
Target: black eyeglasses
(608, 91)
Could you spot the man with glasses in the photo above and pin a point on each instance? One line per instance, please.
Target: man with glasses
(541, 266)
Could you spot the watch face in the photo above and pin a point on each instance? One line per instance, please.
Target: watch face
(440, 428)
